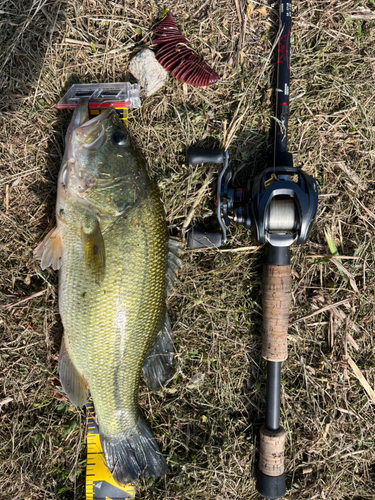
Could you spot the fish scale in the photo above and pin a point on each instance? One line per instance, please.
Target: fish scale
(121, 316)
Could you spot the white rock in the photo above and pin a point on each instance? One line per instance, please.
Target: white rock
(150, 74)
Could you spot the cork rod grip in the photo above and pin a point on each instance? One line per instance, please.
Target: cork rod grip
(271, 452)
(276, 292)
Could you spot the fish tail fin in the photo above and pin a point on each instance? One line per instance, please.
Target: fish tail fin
(133, 455)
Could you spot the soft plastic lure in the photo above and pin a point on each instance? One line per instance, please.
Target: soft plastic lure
(176, 55)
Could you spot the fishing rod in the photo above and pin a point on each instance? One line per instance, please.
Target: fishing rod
(278, 206)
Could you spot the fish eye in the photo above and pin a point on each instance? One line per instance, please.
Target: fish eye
(119, 138)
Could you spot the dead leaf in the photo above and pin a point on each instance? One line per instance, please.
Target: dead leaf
(361, 13)
(361, 378)
(5, 402)
(346, 272)
(250, 9)
(262, 10)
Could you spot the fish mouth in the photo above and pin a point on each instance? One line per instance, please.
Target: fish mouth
(84, 135)
(89, 133)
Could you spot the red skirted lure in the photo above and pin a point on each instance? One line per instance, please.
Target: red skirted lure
(176, 55)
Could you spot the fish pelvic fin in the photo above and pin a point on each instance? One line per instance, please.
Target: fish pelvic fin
(49, 251)
(174, 263)
(158, 365)
(133, 455)
(72, 382)
(93, 244)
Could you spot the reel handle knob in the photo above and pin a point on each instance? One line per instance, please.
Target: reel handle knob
(199, 238)
(203, 155)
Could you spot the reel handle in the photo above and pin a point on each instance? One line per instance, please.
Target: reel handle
(199, 238)
(203, 155)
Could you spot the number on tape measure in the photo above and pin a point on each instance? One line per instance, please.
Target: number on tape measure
(100, 484)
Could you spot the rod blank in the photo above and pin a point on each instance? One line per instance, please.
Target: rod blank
(273, 396)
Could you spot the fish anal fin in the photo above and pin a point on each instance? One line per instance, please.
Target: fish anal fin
(158, 365)
(93, 244)
(49, 251)
(72, 382)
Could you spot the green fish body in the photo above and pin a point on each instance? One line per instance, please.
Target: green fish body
(111, 249)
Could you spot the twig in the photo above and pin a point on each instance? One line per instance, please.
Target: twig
(347, 273)
(202, 7)
(242, 20)
(322, 309)
(200, 194)
(351, 340)
(19, 174)
(81, 42)
(332, 257)
(361, 13)
(350, 173)
(239, 15)
(241, 249)
(366, 209)
(34, 296)
(7, 199)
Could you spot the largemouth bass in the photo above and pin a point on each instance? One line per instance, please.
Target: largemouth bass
(115, 263)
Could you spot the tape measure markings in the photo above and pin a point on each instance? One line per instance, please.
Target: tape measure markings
(99, 480)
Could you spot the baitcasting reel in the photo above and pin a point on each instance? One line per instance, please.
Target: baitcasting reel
(278, 205)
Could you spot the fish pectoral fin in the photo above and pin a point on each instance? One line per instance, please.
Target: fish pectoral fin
(158, 365)
(93, 244)
(49, 251)
(72, 382)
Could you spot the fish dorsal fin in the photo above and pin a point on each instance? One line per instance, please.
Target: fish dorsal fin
(174, 263)
(93, 244)
(72, 382)
(158, 365)
(49, 251)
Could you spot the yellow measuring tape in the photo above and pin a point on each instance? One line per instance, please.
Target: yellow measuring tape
(122, 112)
(100, 484)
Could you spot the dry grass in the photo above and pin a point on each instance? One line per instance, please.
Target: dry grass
(208, 417)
